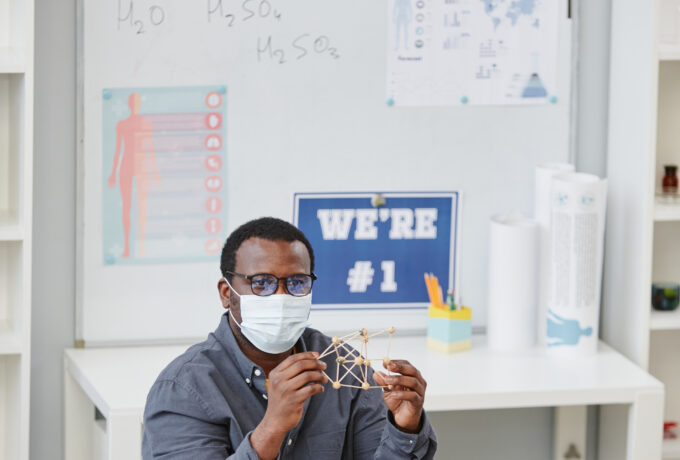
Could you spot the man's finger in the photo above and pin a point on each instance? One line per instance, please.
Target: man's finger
(292, 359)
(305, 378)
(307, 391)
(407, 382)
(379, 378)
(403, 367)
(301, 366)
(410, 396)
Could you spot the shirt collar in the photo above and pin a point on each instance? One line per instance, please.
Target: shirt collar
(226, 337)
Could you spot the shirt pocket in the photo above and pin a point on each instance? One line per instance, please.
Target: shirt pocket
(326, 446)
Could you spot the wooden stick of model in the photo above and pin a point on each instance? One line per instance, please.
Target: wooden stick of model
(355, 358)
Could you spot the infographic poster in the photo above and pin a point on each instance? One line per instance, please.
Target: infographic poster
(477, 52)
(163, 174)
(372, 250)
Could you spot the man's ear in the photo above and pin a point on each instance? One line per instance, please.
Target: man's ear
(225, 292)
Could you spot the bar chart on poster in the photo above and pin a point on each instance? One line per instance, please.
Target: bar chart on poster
(198, 116)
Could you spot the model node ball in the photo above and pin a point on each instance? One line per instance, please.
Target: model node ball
(364, 339)
(336, 385)
(364, 331)
(365, 385)
(386, 360)
(359, 360)
(391, 330)
(389, 387)
(340, 360)
(336, 340)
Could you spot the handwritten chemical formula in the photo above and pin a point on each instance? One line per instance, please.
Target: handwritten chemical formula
(144, 17)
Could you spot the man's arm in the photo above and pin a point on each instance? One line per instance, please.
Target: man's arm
(178, 424)
(291, 383)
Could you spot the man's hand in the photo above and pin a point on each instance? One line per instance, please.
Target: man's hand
(405, 399)
(291, 383)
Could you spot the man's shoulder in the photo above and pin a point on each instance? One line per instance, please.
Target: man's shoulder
(315, 340)
(199, 358)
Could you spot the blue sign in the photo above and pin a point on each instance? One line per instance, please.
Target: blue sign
(372, 249)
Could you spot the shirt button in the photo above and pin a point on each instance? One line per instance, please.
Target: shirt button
(247, 380)
(258, 372)
(410, 441)
(264, 396)
(290, 441)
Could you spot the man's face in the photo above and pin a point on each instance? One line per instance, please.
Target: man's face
(280, 258)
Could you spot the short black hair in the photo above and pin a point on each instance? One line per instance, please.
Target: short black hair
(267, 228)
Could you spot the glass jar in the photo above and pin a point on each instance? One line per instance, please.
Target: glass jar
(670, 179)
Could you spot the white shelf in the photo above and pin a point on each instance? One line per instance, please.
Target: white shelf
(16, 198)
(10, 346)
(671, 448)
(666, 212)
(11, 233)
(10, 389)
(10, 342)
(12, 60)
(664, 320)
(669, 51)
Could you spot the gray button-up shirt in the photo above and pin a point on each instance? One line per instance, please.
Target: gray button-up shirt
(208, 401)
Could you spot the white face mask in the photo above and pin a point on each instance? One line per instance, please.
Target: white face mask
(273, 323)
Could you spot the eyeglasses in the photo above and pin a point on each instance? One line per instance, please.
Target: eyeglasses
(264, 284)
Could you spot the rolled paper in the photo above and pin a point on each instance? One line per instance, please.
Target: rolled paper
(544, 177)
(577, 247)
(513, 273)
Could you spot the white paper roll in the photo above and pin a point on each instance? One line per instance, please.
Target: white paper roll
(577, 245)
(542, 194)
(513, 265)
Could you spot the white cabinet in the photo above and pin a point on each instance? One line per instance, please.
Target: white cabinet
(16, 170)
(643, 234)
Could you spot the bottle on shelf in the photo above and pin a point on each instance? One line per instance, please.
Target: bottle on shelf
(670, 179)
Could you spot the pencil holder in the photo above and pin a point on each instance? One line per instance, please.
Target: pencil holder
(449, 331)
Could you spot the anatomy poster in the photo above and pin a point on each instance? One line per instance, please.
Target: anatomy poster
(163, 175)
(478, 52)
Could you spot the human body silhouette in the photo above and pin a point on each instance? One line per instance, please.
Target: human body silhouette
(565, 331)
(134, 135)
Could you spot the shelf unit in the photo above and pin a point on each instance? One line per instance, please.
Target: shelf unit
(643, 234)
(16, 171)
(664, 320)
(671, 448)
(667, 212)
(669, 52)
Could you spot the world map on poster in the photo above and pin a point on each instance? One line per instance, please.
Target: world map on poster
(498, 10)
(477, 52)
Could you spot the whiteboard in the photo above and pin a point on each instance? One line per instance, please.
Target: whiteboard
(316, 121)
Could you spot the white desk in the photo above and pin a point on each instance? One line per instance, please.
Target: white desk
(116, 382)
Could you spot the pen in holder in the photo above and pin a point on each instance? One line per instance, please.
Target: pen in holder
(449, 327)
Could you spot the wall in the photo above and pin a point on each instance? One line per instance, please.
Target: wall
(593, 86)
(499, 434)
(591, 126)
(53, 219)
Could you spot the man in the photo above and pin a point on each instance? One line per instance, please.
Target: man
(255, 388)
